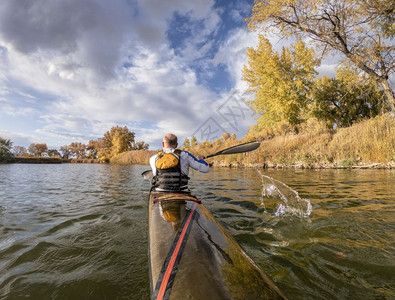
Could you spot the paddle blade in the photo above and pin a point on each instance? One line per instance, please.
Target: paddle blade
(147, 174)
(246, 147)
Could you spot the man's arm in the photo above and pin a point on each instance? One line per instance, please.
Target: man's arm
(196, 164)
(152, 164)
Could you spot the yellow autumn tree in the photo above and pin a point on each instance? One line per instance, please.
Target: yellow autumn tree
(120, 139)
(115, 141)
(281, 82)
(38, 149)
(361, 30)
(194, 141)
(78, 149)
(187, 143)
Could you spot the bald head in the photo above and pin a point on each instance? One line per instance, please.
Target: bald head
(170, 141)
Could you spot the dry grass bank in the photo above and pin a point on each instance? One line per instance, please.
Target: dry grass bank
(371, 141)
(366, 143)
(36, 160)
(85, 161)
(140, 157)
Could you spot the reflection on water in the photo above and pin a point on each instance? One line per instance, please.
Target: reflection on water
(80, 231)
(171, 212)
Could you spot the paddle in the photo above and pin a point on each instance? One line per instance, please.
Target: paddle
(245, 147)
(147, 174)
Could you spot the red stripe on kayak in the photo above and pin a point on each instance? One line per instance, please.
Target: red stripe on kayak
(166, 277)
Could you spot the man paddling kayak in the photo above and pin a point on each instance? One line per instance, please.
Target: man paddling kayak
(194, 257)
(170, 167)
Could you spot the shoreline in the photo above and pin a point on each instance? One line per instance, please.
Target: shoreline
(370, 166)
(52, 160)
(300, 166)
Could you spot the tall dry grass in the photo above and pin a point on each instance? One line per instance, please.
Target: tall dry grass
(140, 157)
(370, 141)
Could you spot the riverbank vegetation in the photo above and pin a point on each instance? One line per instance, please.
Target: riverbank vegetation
(370, 143)
(359, 31)
(305, 120)
(367, 144)
(114, 142)
(5, 150)
(38, 160)
(140, 157)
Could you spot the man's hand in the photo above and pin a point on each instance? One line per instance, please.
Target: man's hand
(200, 157)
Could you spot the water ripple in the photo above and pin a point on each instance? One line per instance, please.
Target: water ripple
(80, 231)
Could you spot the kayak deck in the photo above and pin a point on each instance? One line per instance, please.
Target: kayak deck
(193, 257)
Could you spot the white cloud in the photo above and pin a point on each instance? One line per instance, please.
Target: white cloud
(19, 111)
(18, 139)
(232, 54)
(328, 70)
(82, 67)
(151, 24)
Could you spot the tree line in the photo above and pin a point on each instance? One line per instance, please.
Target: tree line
(286, 84)
(115, 141)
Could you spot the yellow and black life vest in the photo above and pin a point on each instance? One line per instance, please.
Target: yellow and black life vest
(169, 176)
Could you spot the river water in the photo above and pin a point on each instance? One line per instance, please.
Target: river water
(79, 231)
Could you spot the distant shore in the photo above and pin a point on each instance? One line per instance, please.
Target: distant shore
(369, 144)
(51, 160)
(38, 160)
(220, 164)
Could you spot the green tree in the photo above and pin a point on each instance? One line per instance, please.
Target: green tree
(38, 149)
(361, 30)
(281, 82)
(346, 99)
(5, 150)
(53, 153)
(141, 145)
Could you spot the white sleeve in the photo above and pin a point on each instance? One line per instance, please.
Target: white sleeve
(196, 164)
(152, 164)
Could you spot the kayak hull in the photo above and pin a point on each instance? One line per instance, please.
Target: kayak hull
(193, 257)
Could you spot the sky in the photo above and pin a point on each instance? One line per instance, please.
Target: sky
(71, 70)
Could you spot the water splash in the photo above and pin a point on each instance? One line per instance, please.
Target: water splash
(278, 197)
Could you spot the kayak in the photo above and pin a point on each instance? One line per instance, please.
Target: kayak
(192, 257)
